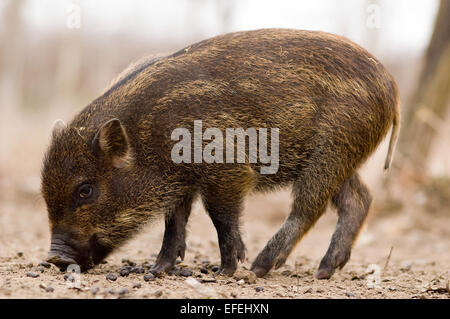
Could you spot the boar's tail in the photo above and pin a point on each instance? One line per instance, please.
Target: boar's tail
(395, 129)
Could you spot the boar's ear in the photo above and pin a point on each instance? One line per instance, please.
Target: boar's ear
(58, 127)
(111, 140)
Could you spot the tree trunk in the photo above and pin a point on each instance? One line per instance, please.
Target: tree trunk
(431, 99)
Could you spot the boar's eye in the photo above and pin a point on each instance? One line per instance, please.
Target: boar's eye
(85, 191)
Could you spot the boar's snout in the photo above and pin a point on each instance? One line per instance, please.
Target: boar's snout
(61, 253)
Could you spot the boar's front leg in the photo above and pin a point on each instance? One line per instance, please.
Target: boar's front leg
(225, 218)
(174, 242)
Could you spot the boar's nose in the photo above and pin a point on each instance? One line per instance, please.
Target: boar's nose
(61, 254)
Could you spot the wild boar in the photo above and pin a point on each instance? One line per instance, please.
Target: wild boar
(111, 169)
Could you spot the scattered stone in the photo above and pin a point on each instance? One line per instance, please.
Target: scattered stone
(215, 268)
(131, 263)
(123, 292)
(111, 277)
(111, 291)
(45, 264)
(138, 270)
(208, 279)
(40, 269)
(350, 294)
(308, 291)
(186, 272)
(259, 289)
(32, 275)
(249, 277)
(203, 270)
(95, 290)
(46, 288)
(147, 265)
(407, 267)
(241, 282)
(137, 285)
(124, 272)
(149, 277)
(206, 262)
(20, 254)
(69, 277)
(158, 293)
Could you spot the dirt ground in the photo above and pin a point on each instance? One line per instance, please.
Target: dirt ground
(417, 238)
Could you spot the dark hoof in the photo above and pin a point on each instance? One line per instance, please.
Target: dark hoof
(160, 268)
(60, 262)
(227, 271)
(324, 273)
(259, 271)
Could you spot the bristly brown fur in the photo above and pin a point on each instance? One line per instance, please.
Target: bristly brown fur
(332, 101)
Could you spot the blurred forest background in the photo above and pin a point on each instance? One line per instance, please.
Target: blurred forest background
(57, 56)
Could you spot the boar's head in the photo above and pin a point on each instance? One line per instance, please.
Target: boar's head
(87, 180)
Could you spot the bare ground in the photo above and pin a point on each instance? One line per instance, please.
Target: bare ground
(417, 268)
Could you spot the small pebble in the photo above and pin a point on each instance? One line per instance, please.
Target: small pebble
(20, 254)
(46, 288)
(69, 277)
(137, 285)
(286, 272)
(249, 277)
(308, 291)
(111, 291)
(131, 263)
(349, 294)
(111, 277)
(123, 291)
(138, 270)
(45, 264)
(204, 270)
(208, 280)
(186, 272)
(94, 290)
(32, 275)
(158, 293)
(147, 265)
(259, 289)
(149, 277)
(215, 268)
(205, 262)
(124, 272)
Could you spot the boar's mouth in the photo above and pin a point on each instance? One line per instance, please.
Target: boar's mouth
(65, 251)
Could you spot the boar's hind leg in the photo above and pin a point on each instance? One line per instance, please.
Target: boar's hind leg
(311, 192)
(174, 243)
(352, 201)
